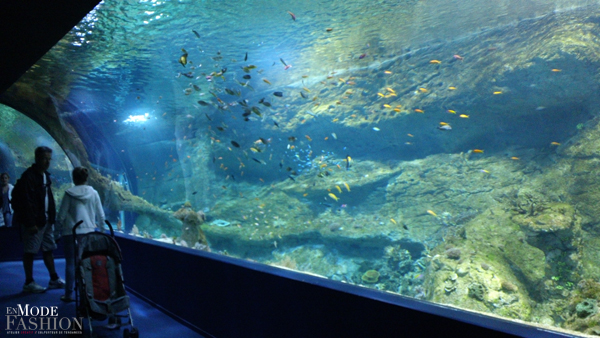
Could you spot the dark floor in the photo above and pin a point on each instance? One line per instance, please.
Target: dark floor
(150, 321)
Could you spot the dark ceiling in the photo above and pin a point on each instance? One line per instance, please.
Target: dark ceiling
(29, 28)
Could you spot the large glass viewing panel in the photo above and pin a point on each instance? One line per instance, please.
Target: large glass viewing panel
(442, 150)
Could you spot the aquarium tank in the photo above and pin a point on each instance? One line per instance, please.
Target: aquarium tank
(441, 150)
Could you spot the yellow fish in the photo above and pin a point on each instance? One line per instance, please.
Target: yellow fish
(463, 116)
(451, 88)
(514, 158)
(387, 72)
(338, 188)
(347, 186)
(397, 110)
(393, 221)
(308, 90)
(390, 90)
(451, 111)
(387, 106)
(555, 143)
(556, 70)
(432, 213)
(305, 195)
(323, 165)
(266, 81)
(443, 124)
(391, 94)
(333, 196)
(478, 151)
(335, 120)
(497, 93)
(423, 90)
(419, 111)
(183, 59)
(436, 62)
(410, 135)
(381, 95)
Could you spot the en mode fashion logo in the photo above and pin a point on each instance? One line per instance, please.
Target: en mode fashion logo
(26, 319)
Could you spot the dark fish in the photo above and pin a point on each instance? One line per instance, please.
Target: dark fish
(303, 95)
(243, 103)
(276, 124)
(362, 56)
(216, 58)
(280, 59)
(246, 57)
(203, 103)
(266, 104)
(247, 77)
(246, 119)
(233, 177)
(194, 193)
(348, 162)
(263, 140)
(404, 226)
(208, 117)
(257, 160)
(196, 88)
(294, 172)
(214, 159)
(197, 35)
(223, 70)
(256, 111)
(221, 128)
(189, 75)
(278, 94)
(292, 138)
(235, 144)
(292, 178)
(261, 100)
(247, 113)
(229, 91)
(292, 15)
(288, 169)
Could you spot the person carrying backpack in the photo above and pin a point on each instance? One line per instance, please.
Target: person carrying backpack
(35, 212)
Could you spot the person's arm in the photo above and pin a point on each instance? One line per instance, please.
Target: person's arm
(99, 212)
(29, 212)
(61, 217)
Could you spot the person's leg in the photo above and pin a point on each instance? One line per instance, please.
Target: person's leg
(31, 243)
(8, 219)
(69, 249)
(49, 262)
(48, 246)
(28, 267)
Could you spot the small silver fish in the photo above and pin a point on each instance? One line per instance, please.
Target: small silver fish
(445, 127)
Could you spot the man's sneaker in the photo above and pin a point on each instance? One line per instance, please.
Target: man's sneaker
(33, 287)
(56, 284)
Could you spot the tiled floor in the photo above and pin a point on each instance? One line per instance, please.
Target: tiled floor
(150, 321)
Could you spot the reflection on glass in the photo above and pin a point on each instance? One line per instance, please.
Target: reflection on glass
(440, 150)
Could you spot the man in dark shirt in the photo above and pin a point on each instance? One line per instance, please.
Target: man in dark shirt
(35, 212)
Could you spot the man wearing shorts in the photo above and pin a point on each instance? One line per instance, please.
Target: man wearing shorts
(35, 212)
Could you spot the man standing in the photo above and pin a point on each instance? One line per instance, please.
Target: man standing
(35, 212)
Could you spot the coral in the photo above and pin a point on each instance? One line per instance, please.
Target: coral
(586, 308)
(476, 291)
(371, 276)
(286, 262)
(190, 230)
(453, 253)
(508, 286)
